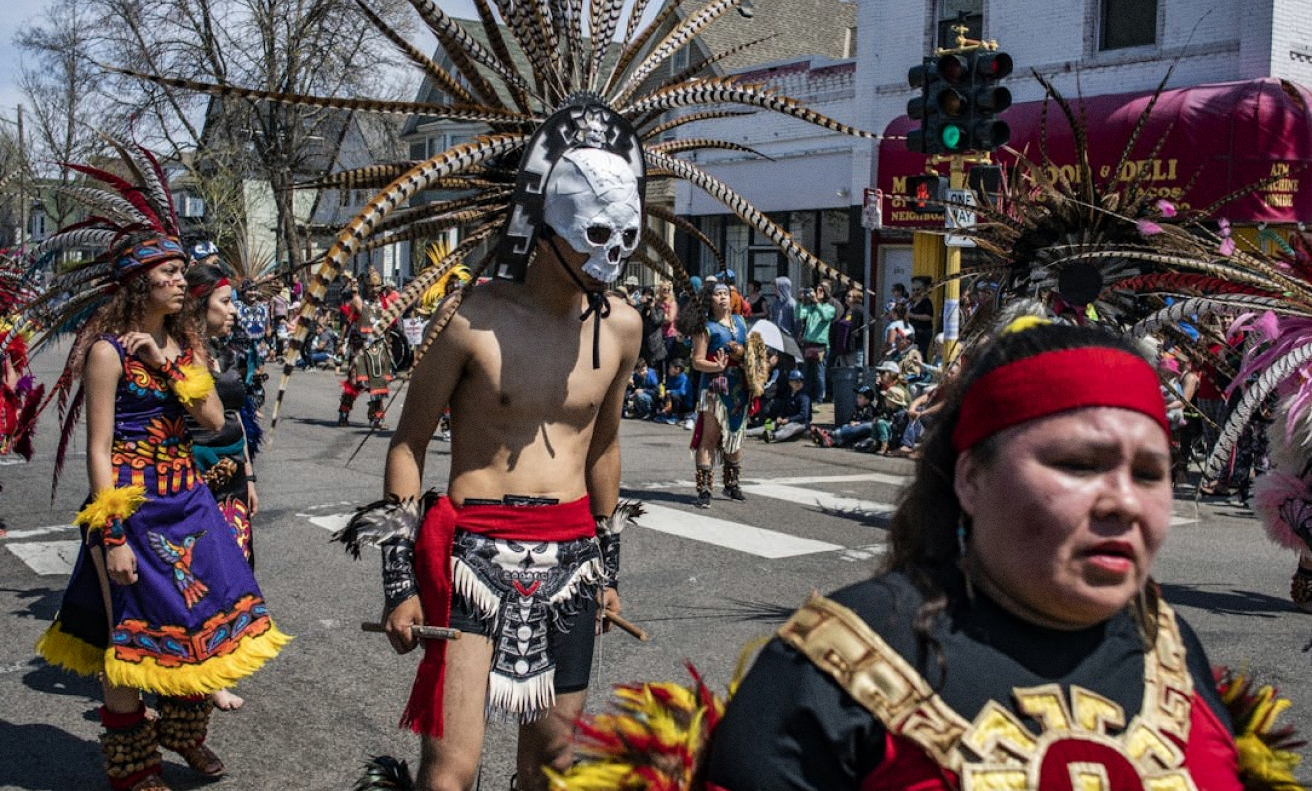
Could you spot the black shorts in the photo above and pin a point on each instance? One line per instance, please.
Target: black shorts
(571, 651)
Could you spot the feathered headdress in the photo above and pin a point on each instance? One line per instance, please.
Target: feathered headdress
(1111, 250)
(131, 227)
(446, 285)
(494, 172)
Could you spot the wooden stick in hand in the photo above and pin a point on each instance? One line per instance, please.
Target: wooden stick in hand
(628, 626)
(422, 632)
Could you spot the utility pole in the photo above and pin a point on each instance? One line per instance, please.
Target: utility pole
(22, 184)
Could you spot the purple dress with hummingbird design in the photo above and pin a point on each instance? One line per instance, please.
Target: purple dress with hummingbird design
(195, 620)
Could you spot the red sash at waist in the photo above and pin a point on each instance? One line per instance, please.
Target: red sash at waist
(562, 522)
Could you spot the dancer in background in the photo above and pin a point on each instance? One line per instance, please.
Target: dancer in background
(719, 347)
(223, 456)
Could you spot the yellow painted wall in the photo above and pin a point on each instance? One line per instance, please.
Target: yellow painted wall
(929, 258)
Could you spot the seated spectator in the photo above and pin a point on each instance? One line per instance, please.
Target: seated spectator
(898, 325)
(861, 426)
(789, 415)
(640, 400)
(907, 356)
(890, 414)
(320, 347)
(679, 394)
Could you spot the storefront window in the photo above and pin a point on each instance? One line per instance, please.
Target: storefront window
(1128, 23)
(833, 247)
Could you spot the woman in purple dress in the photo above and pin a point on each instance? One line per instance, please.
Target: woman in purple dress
(161, 599)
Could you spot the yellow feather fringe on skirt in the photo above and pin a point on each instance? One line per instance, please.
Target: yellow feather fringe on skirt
(66, 651)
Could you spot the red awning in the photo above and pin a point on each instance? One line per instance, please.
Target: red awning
(1218, 139)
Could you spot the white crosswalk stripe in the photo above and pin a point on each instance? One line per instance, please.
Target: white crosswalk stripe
(56, 557)
(47, 558)
(817, 499)
(731, 535)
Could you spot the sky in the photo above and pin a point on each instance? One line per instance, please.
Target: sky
(17, 12)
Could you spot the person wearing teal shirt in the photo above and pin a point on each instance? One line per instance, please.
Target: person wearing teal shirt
(815, 312)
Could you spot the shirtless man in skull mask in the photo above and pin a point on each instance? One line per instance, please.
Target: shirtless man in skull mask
(536, 397)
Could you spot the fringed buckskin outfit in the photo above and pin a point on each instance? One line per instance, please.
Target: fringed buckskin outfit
(723, 397)
(524, 574)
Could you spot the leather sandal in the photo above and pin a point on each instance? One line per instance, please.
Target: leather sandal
(202, 760)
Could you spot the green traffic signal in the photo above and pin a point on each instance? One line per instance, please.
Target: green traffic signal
(951, 137)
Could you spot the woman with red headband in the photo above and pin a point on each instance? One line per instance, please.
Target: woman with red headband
(224, 456)
(1016, 638)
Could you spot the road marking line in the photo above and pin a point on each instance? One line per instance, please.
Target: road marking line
(867, 477)
(333, 522)
(814, 498)
(731, 535)
(47, 558)
(38, 531)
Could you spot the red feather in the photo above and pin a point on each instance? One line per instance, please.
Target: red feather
(132, 194)
(65, 434)
(27, 422)
(1179, 282)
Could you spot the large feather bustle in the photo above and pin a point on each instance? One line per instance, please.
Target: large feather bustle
(1266, 750)
(485, 83)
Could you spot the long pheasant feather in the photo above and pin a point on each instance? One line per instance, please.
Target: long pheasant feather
(448, 162)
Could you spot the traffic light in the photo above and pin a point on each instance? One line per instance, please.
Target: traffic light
(925, 194)
(959, 101)
(917, 109)
(985, 181)
(987, 99)
(942, 105)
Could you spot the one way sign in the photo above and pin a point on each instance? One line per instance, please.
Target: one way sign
(960, 213)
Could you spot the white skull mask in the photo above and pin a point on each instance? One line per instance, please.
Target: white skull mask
(592, 202)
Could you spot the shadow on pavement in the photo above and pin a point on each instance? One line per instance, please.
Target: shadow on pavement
(680, 496)
(53, 680)
(1227, 602)
(42, 605)
(34, 751)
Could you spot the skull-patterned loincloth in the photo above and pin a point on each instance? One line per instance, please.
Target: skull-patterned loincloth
(523, 591)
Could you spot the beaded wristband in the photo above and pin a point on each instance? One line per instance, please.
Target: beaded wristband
(114, 534)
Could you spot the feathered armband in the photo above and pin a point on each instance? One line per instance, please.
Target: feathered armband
(388, 520)
(107, 510)
(191, 383)
(608, 537)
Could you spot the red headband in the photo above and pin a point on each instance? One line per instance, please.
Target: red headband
(201, 289)
(1053, 382)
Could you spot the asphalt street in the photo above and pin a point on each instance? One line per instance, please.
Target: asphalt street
(702, 583)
